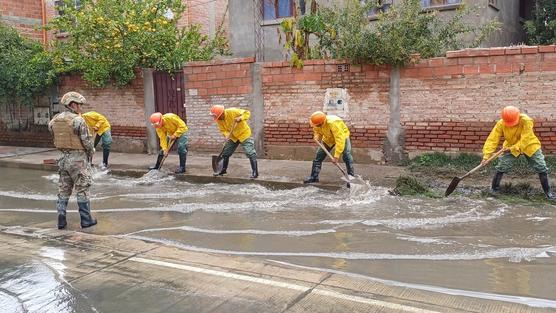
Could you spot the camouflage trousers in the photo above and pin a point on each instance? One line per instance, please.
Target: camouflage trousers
(75, 172)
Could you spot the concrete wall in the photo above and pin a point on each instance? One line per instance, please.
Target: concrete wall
(242, 32)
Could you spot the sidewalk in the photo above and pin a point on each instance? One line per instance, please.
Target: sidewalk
(273, 173)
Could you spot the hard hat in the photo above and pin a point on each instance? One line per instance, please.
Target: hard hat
(156, 119)
(72, 96)
(216, 111)
(317, 118)
(510, 115)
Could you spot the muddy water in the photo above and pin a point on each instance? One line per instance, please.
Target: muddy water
(480, 248)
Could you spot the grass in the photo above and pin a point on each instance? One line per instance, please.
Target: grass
(442, 164)
(429, 167)
(411, 186)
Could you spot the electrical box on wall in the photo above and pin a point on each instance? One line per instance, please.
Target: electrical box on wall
(336, 101)
(41, 115)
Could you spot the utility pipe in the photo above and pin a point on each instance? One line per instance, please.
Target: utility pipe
(43, 13)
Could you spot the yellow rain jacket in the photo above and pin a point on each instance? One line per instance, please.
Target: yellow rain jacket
(94, 119)
(171, 125)
(333, 132)
(520, 138)
(242, 131)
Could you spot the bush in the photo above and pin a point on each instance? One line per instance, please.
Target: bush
(26, 70)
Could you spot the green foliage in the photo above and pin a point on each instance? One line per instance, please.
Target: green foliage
(108, 39)
(411, 186)
(396, 36)
(462, 161)
(297, 32)
(541, 30)
(26, 70)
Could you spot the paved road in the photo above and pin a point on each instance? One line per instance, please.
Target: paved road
(46, 270)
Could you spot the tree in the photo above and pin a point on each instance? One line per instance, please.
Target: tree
(26, 70)
(541, 30)
(108, 39)
(404, 31)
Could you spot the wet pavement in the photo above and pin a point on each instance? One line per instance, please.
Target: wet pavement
(172, 244)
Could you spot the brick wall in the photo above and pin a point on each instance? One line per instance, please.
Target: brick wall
(207, 14)
(224, 82)
(451, 103)
(24, 15)
(291, 95)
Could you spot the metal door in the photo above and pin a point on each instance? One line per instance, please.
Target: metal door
(169, 95)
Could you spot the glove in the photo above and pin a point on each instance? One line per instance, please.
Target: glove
(515, 149)
(317, 137)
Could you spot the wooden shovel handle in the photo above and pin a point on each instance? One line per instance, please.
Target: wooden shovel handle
(170, 146)
(494, 156)
(331, 157)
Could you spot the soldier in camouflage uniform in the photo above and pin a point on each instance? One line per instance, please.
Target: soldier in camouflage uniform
(72, 138)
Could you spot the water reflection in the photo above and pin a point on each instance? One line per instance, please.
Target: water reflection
(39, 286)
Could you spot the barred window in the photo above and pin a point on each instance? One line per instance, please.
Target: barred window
(435, 3)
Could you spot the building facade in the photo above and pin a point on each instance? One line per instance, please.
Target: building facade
(254, 25)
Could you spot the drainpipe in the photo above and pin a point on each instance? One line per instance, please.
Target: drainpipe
(43, 13)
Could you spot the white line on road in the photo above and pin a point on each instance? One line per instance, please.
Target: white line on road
(269, 282)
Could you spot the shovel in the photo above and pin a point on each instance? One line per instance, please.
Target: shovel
(217, 161)
(347, 177)
(172, 142)
(456, 180)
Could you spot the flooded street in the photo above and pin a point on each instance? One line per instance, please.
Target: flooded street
(479, 248)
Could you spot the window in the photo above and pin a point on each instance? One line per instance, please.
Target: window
(273, 9)
(435, 3)
(383, 6)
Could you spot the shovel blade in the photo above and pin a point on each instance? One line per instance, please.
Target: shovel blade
(452, 186)
(217, 163)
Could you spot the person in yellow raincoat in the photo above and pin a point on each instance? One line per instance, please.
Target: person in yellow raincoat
(172, 127)
(98, 124)
(519, 139)
(334, 135)
(240, 134)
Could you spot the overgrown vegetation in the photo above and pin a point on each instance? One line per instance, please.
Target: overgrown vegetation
(26, 70)
(442, 163)
(344, 31)
(107, 40)
(541, 29)
(411, 186)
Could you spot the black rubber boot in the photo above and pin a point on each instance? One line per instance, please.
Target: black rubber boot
(546, 187)
(495, 186)
(158, 160)
(254, 168)
(350, 171)
(225, 161)
(61, 206)
(105, 154)
(315, 171)
(85, 213)
(181, 168)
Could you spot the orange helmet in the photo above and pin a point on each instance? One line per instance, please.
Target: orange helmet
(317, 118)
(216, 111)
(510, 115)
(156, 119)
